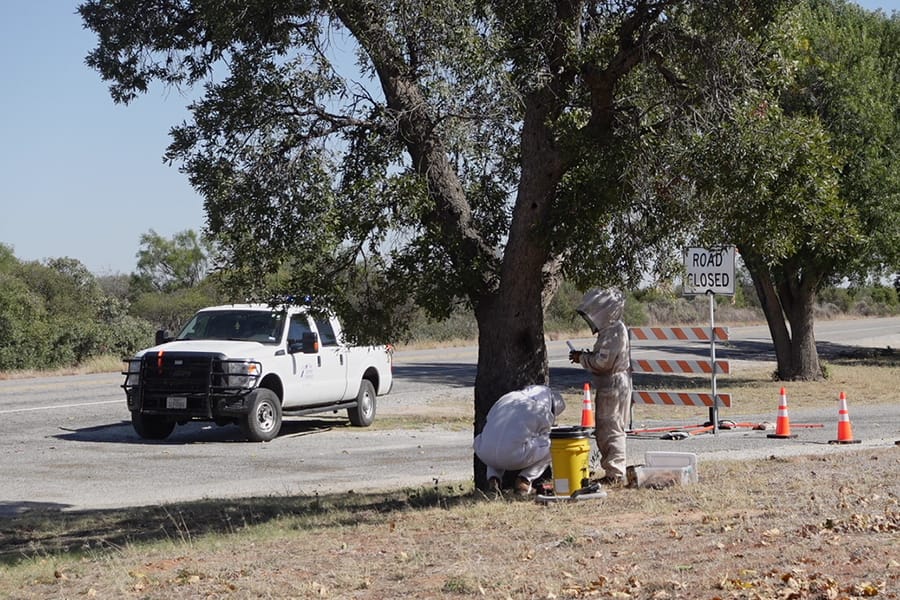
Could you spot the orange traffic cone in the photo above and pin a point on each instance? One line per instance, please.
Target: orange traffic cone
(783, 424)
(587, 408)
(845, 429)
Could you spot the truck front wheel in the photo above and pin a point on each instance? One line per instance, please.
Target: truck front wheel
(363, 414)
(263, 419)
(151, 427)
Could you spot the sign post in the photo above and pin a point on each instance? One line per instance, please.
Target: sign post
(710, 272)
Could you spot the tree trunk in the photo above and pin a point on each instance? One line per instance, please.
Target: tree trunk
(511, 355)
(771, 306)
(804, 359)
(791, 301)
(511, 349)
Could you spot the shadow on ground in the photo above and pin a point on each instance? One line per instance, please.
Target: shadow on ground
(121, 432)
(30, 530)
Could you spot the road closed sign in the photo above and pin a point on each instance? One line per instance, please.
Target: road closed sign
(709, 271)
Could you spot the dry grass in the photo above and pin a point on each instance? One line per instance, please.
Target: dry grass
(97, 364)
(805, 527)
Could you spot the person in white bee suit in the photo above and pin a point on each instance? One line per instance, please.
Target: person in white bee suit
(610, 365)
(516, 436)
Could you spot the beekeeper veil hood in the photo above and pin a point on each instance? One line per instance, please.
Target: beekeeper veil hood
(559, 404)
(542, 391)
(601, 307)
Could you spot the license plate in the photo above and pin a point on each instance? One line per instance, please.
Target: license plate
(176, 402)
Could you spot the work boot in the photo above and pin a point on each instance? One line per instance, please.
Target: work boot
(493, 486)
(523, 487)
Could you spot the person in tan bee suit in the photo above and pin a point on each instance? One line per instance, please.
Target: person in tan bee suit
(610, 364)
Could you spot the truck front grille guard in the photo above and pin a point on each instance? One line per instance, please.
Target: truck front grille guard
(200, 379)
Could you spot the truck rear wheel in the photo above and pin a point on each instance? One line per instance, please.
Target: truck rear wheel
(363, 414)
(151, 427)
(263, 419)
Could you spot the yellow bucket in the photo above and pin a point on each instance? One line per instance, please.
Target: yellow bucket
(570, 450)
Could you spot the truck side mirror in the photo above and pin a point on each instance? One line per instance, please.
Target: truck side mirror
(163, 336)
(308, 344)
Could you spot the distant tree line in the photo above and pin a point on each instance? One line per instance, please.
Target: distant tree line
(55, 313)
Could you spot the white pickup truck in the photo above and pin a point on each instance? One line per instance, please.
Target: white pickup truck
(251, 364)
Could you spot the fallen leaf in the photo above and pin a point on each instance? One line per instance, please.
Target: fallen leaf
(866, 589)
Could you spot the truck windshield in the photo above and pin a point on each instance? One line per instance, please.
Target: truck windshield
(246, 325)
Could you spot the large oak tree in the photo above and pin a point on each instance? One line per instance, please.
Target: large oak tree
(478, 152)
(803, 177)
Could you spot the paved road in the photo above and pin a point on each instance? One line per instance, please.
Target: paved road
(67, 442)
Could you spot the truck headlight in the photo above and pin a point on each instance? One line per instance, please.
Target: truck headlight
(132, 372)
(241, 374)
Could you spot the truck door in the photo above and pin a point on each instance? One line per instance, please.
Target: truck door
(334, 357)
(308, 382)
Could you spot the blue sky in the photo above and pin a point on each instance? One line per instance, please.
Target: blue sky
(83, 177)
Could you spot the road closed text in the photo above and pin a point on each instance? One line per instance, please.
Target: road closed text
(709, 271)
(708, 280)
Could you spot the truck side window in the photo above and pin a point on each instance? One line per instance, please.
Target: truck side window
(326, 333)
(299, 326)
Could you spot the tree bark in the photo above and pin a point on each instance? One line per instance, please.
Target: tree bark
(512, 352)
(801, 292)
(789, 302)
(771, 306)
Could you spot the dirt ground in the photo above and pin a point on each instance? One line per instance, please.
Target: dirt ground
(812, 527)
(809, 527)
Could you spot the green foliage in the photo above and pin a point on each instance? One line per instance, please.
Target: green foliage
(799, 177)
(884, 295)
(459, 326)
(636, 313)
(839, 297)
(869, 300)
(802, 173)
(56, 314)
(21, 311)
(486, 151)
(744, 293)
(479, 144)
(560, 314)
(171, 310)
(166, 265)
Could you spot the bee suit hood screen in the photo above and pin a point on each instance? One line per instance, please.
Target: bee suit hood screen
(601, 307)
